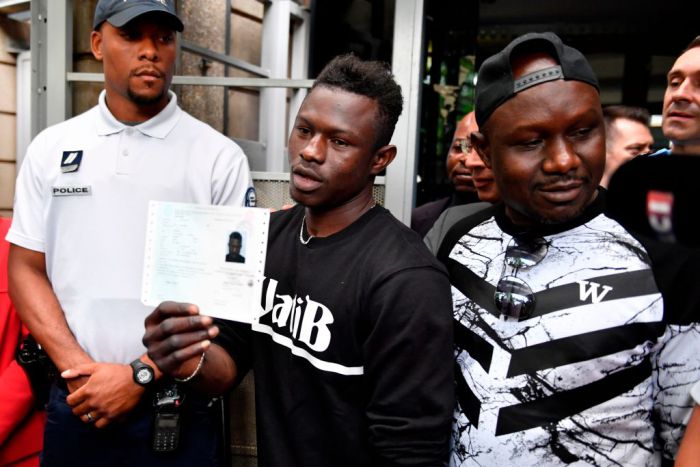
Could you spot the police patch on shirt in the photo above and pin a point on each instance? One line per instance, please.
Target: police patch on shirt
(251, 200)
(71, 190)
(70, 161)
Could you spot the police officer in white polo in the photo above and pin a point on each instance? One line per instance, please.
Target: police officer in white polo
(78, 242)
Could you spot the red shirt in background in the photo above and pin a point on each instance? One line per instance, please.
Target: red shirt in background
(21, 427)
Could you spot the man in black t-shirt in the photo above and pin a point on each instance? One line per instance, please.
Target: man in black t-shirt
(351, 347)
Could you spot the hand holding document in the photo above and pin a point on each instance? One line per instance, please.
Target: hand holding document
(211, 256)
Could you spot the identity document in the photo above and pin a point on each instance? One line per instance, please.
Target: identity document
(211, 256)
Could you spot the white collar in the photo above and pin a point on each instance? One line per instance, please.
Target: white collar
(157, 126)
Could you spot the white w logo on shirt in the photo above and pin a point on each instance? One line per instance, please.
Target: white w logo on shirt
(592, 291)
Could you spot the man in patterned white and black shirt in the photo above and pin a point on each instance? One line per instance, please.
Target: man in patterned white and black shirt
(566, 349)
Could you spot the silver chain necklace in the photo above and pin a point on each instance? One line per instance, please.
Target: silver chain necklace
(301, 233)
(303, 223)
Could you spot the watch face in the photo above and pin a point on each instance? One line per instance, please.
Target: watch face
(144, 375)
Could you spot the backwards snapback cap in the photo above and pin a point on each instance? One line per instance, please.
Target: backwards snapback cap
(120, 12)
(495, 84)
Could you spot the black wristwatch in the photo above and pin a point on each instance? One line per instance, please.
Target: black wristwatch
(142, 372)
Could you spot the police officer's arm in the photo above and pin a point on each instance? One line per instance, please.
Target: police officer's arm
(39, 309)
(177, 336)
(106, 391)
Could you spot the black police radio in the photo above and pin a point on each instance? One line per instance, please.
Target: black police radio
(166, 425)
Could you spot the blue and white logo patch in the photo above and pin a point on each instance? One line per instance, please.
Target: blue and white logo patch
(70, 162)
(251, 199)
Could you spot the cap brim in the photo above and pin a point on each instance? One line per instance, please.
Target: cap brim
(123, 17)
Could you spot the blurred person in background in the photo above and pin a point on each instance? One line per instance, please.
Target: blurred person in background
(483, 180)
(423, 217)
(681, 108)
(627, 135)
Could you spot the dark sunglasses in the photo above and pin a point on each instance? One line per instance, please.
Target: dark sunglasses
(514, 298)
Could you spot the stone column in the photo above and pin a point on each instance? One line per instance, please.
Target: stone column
(84, 95)
(205, 25)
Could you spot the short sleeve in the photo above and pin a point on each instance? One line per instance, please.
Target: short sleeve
(28, 226)
(231, 182)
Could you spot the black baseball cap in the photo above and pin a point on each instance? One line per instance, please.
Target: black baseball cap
(120, 12)
(495, 83)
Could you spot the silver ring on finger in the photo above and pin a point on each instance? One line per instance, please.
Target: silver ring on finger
(89, 417)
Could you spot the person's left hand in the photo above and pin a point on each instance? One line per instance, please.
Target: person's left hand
(176, 336)
(109, 393)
